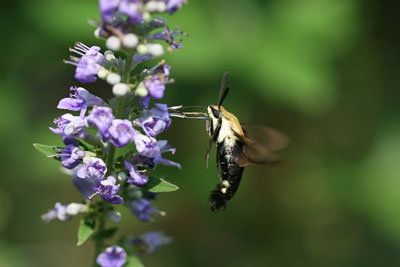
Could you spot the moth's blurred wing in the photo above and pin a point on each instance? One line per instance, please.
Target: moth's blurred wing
(259, 144)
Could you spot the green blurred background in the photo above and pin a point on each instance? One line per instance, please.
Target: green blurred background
(325, 72)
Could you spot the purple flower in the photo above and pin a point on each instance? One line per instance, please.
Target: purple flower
(95, 169)
(86, 186)
(172, 38)
(139, 58)
(155, 86)
(142, 209)
(79, 99)
(114, 256)
(146, 145)
(69, 125)
(136, 177)
(101, 117)
(130, 8)
(121, 132)
(173, 5)
(144, 102)
(165, 147)
(151, 241)
(155, 83)
(155, 121)
(71, 156)
(89, 64)
(108, 190)
(59, 212)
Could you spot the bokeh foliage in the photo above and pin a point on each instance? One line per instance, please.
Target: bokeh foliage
(323, 71)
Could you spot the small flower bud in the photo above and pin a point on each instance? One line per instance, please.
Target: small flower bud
(110, 57)
(114, 216)
(151, 6)
(146, 16)
(161, 7)
(120, 89)
(113, 43)
(142, 49)
(155, 49)
(130, 40)
(103, 73)
(141, 90)
(122, 176)
(113, 78)
(76, 208)
(97, 33)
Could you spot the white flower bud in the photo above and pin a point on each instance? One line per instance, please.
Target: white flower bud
(155, 49)
(146, 16)
(142, 49)
(76, 208)
(130, 40)
(120, 89)
(122, 176)
(113, 78)
(151, 6)
(161, 7)
(114, 216)
(141, 90)
(109, 56)
(113, 43)
(103, 73)
(97, 33)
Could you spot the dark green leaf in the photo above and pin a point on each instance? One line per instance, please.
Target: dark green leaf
(134, 261)
(108, 233)
(86, 229)
(49, 151)
(158, 185)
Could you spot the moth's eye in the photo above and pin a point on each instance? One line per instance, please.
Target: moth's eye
(216, 112)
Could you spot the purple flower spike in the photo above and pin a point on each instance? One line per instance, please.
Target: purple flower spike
(59, 212)
(95, 169)
(114, 256)
(71, 156)
(121, 132)
(101, 117)
(135, 177)
(108, 190)
(146, 145)
(89, 64)
(79, 99)
(142, 209)
(155, 121)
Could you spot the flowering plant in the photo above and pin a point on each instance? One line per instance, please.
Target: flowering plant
(110, 146)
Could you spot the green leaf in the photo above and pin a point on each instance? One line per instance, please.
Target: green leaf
(86, 229)
(47, 150)
(134, 261)
(158, 185)
(108, 233)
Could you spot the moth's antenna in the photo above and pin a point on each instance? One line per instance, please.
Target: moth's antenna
(223, 90)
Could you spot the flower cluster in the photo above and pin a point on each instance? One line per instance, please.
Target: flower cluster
(111, 147)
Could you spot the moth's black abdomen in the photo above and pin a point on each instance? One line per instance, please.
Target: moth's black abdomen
(231, 174)
(217, 199)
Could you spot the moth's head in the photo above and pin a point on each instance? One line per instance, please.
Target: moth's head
(214, 112)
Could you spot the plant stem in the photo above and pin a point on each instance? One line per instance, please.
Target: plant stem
(120, 109)
(99, 245)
